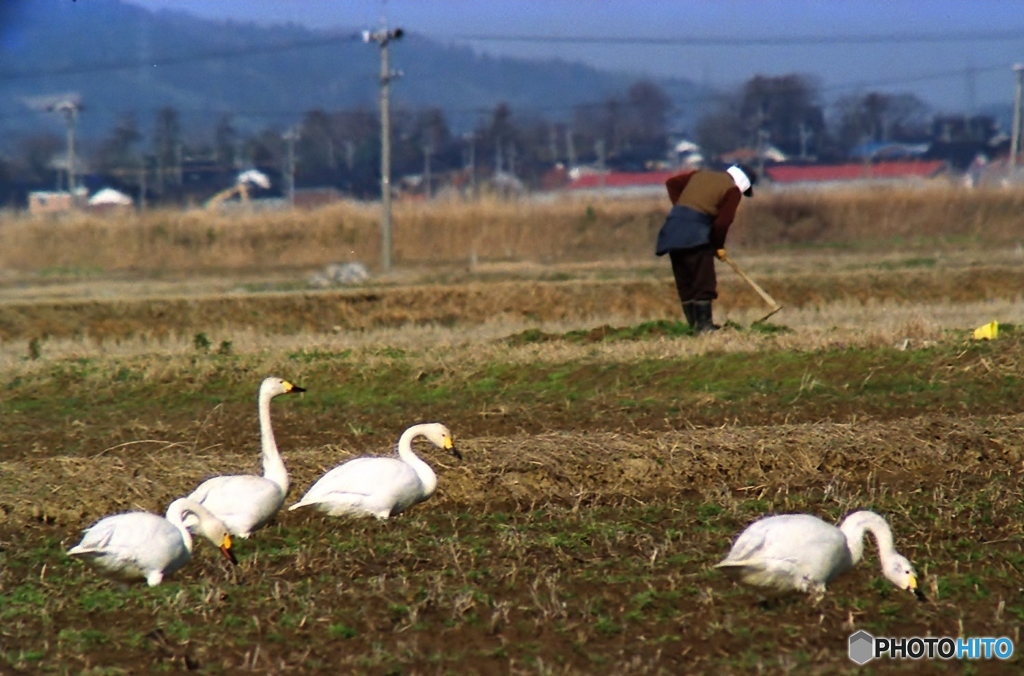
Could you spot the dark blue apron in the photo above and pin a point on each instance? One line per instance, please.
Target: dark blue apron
(684, 228)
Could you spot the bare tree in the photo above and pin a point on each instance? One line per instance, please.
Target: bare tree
(36, 155)
(167, 145)
(116, 153)
(225, 142)
(647, 114)
(876, 116)
(780, 109)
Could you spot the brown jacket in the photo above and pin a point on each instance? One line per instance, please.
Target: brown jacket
(710, 192)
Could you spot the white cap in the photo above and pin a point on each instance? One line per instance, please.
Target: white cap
(739, 177)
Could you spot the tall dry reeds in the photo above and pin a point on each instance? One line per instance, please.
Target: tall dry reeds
(488, 230)
(883, 215)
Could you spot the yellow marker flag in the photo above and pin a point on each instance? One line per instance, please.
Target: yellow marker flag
(987, 332)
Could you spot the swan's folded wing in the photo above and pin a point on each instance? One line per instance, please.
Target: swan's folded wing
(362, 476)
(96, 537)
(130, 540)
(244, 498)
(119, 531)
(749, 547)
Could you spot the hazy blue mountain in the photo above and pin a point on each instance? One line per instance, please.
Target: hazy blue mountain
(119, 58)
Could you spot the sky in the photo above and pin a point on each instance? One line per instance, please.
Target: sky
(947, 70)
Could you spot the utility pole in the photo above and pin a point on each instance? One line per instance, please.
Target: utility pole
(599, 149)
(1018, 69)
(470, 138)
(428, 150)
(805, 136)
(69, 108)
(290, 137)
(142, 183)
(383, 37)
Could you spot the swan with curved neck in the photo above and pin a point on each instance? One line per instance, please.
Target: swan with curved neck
(140, 545)
(245, 502)
(800, 552)
(380, 487)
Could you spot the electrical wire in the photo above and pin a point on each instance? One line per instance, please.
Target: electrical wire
(734, 41)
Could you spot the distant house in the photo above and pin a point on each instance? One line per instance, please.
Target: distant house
(688, 154)
(109, 200)
(110, 197)
(833, 175)
(53, 201)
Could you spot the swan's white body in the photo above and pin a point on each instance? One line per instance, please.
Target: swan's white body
(381, 487)
(245, 502)
(800, 552)
(140, 545)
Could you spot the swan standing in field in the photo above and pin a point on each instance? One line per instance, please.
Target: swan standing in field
(800, 552)
(140, 545)
(381, 487)
(244, 502)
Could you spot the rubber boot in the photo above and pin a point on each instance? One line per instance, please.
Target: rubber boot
(702, 316)
(690, 313)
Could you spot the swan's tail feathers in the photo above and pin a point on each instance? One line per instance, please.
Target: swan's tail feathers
(738, 565)
(84, 552)
(305, 502)
(729, 564)
(339, 503)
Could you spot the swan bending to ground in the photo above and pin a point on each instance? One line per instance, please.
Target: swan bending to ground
(381, 487)
(244, 502)
(800, 552)
(140, 545)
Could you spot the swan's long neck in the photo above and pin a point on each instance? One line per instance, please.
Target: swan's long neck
(405, 452)
(273, 465)
(174, 514)
(854, 527)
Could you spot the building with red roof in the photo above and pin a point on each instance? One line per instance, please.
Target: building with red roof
(854, 172)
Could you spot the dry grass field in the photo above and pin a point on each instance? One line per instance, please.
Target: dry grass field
(610, 456)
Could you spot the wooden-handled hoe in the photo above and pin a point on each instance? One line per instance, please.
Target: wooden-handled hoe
(775, 307)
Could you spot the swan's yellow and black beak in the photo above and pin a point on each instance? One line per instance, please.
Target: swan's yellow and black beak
(915, 590)
(225, 549)
(289, 388)
(450, 447)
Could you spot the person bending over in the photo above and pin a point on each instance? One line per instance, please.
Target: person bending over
(704, 204)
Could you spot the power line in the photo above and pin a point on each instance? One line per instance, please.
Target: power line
(733, 41)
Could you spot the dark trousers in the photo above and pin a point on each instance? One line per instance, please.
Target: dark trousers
(694, 270)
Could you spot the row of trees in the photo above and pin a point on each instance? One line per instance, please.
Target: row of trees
(342, 148)
(789, 113)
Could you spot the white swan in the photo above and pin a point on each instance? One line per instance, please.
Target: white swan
(244, 502)
(140, 545)
(800, 552)
(380, 487)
